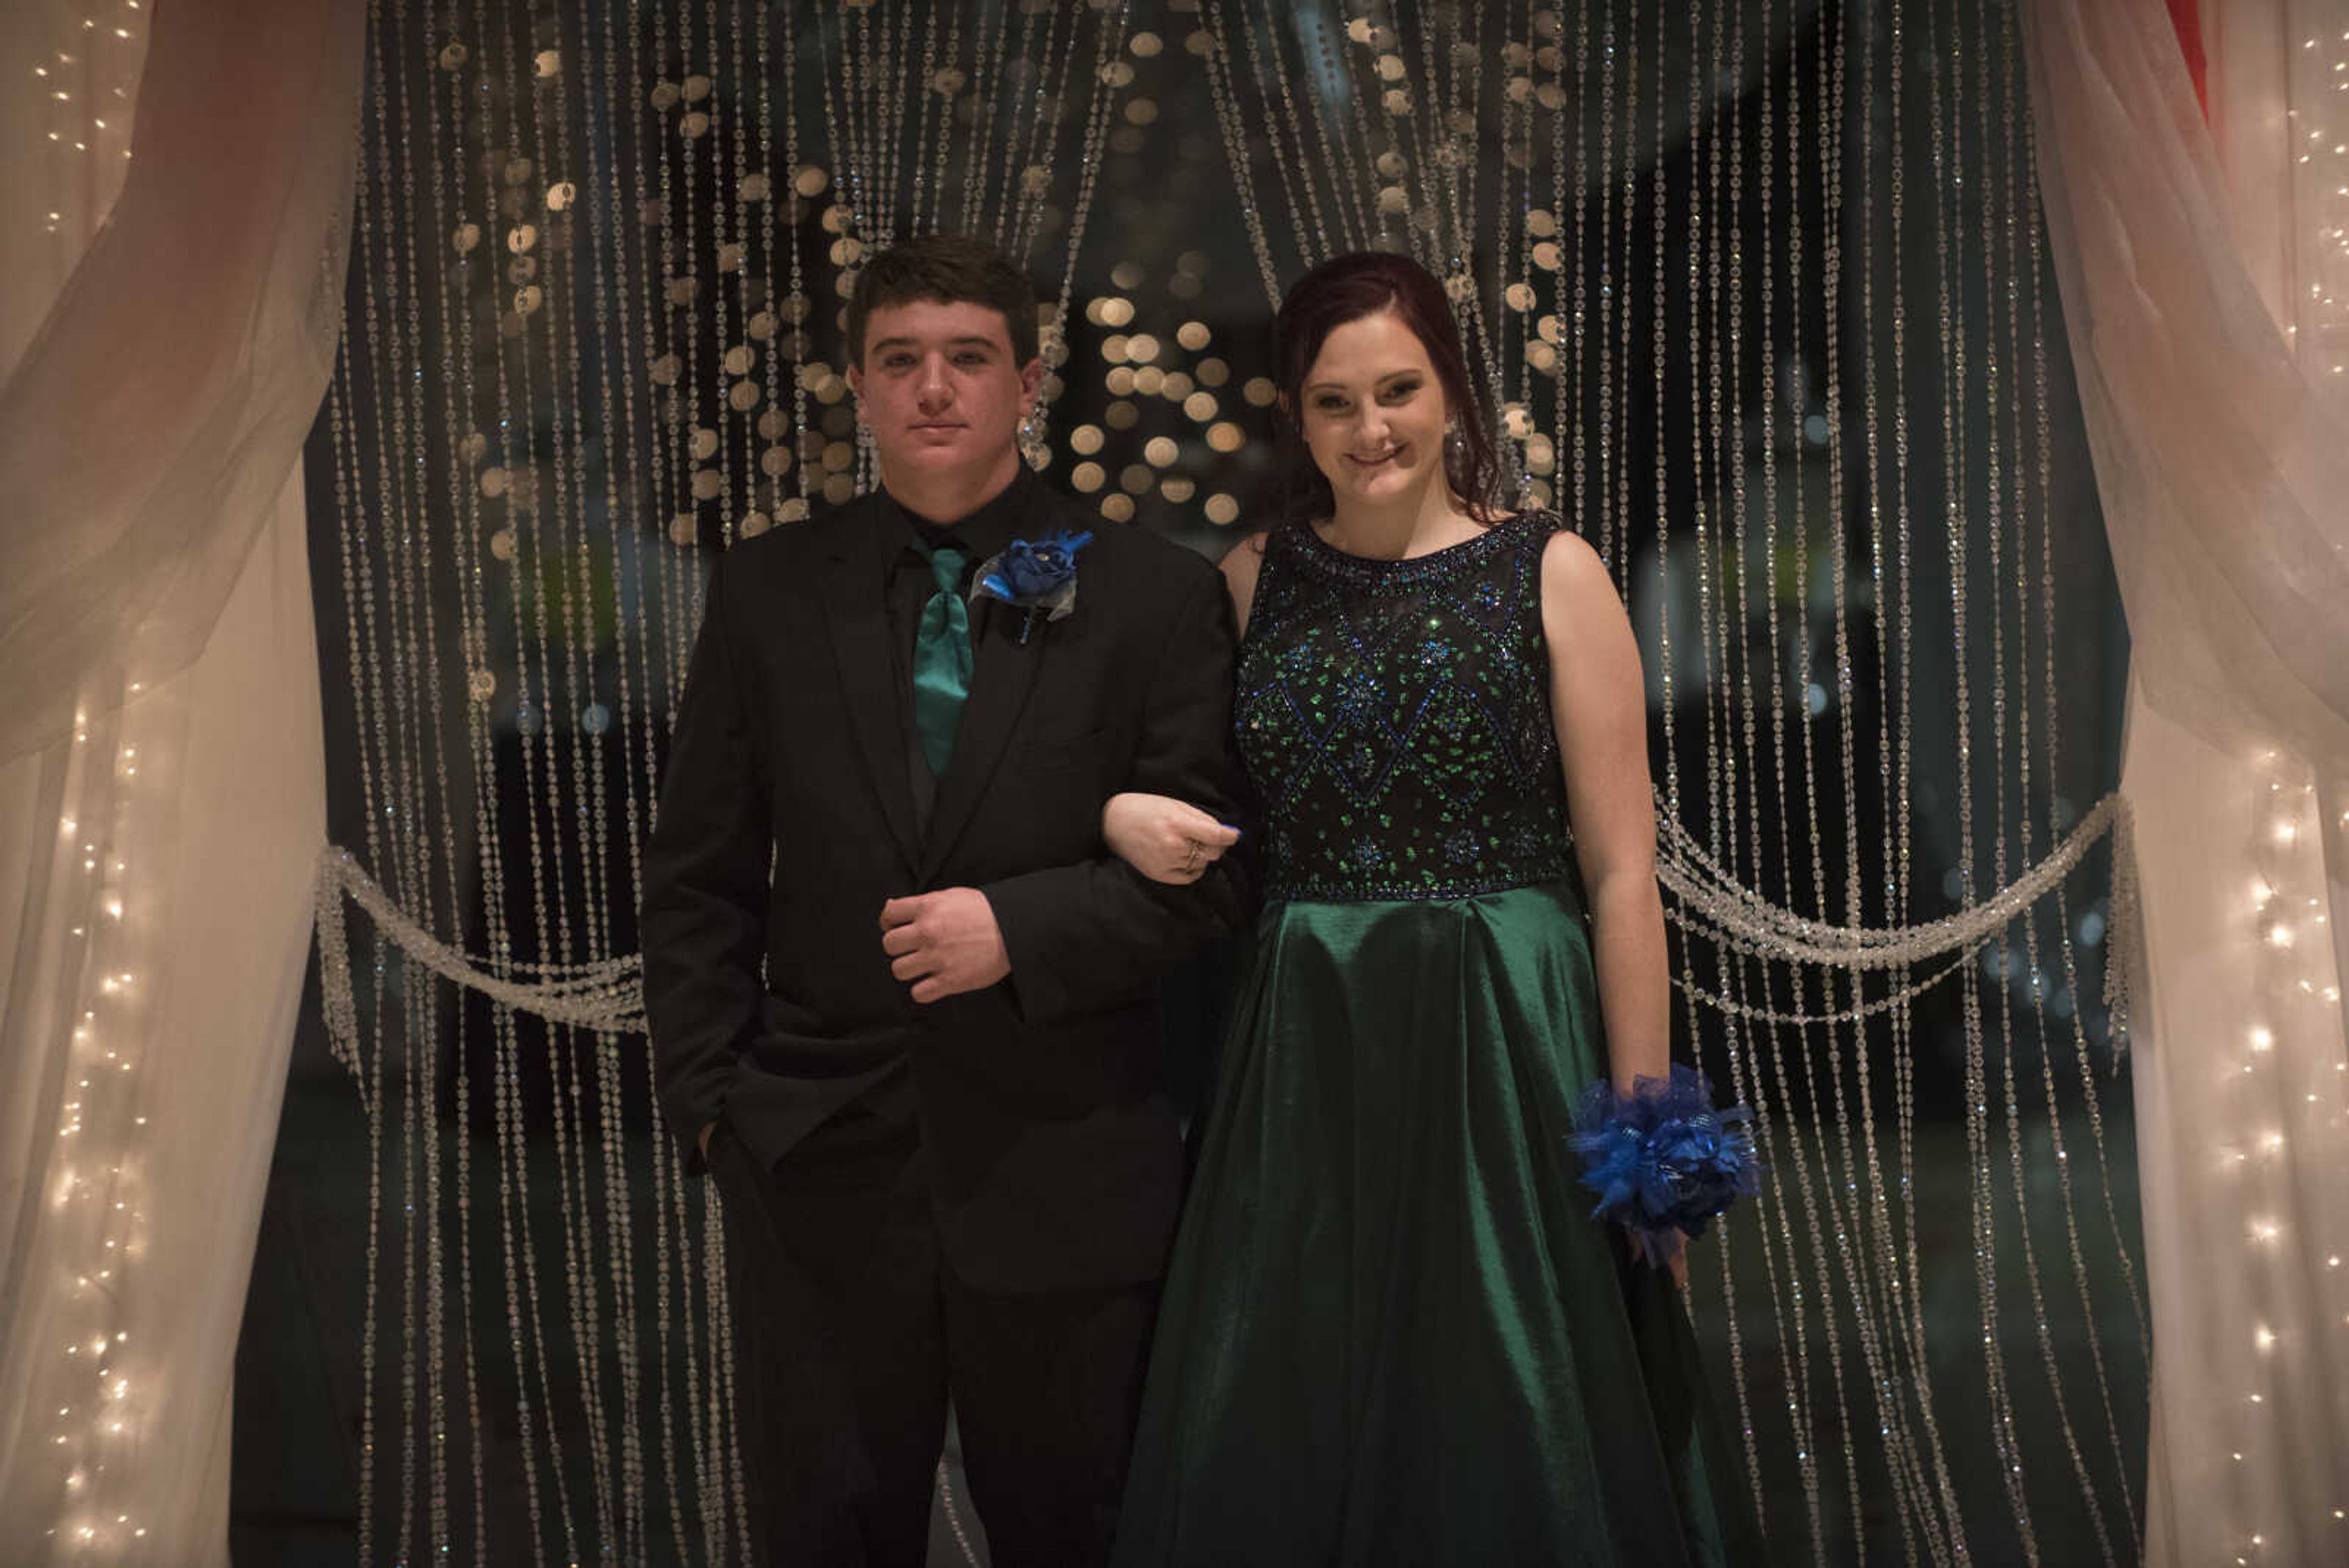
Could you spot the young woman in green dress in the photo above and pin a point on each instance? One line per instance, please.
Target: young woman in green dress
(1392, 1331)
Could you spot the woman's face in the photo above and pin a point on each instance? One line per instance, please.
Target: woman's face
(1372, 412)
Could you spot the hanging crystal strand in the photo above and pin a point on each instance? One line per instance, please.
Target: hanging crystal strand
(1357, 180)
(619, 450)
(681, 253)
(1054, 349)
(1950, 241)
(456, 327)
(1740, 838)
(1901, 862)
(724, 1411)
(1820, 1276)
(656, 599)
(1322, 67)
(1602, 532)
(433, 703)
(935, 154)
(1910, 1488)
(1836, 1151)
(1305, 209)
(470, 638)
(776, 325)
(1040, 163)
(1619, 289)
(927, 94)
(856, 155)
(1788, 1296)
(585, 707)
(1514, 297)
(514, 1147)
(649, 96)
(996, 192)
(1902, 1355)
(1042, 106)
(394, 430)
(986, 82)
(543, 772)
(2044, 496)
(1863, 1170)
(1659, 335)
(1705, 416)
(364, 1057)
(1998, 200)
(853, 181)
(1428, 112)
(799, 305)
(392, 857)
(1223, 89)
(889, 102)
(1720, 426)
(839, 126)
(1455, 110)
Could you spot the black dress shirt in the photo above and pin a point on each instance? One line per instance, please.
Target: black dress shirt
(909, 582)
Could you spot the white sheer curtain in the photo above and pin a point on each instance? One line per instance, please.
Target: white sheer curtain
(2224, 475)
(167, 323)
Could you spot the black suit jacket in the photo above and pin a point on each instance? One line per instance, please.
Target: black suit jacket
(1045, 1117)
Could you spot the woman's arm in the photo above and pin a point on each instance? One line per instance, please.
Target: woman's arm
(1598, 706)
(1168, 840)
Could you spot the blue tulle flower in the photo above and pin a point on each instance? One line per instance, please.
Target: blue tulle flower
(1661, 1159)
(1028, 575)
(1041, 578)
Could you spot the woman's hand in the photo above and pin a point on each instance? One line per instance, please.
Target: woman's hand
(1665, 1250)
(1166, 840)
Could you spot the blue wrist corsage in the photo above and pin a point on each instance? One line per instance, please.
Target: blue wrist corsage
(1041, 578)
(1663, 1161)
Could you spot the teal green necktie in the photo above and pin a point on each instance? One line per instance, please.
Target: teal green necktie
(942, 660)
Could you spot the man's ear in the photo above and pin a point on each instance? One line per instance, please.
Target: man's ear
(1032, 380)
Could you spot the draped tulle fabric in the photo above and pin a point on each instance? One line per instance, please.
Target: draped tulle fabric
(148, 424)
(2221, 468)
(165, 339)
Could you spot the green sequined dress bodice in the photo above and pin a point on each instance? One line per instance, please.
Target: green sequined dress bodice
(1394, 717)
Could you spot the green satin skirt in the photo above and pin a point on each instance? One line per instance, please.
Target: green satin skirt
(1391, 1333)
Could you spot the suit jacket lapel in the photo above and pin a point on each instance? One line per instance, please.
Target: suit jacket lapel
(1003, 672)
(859, 622)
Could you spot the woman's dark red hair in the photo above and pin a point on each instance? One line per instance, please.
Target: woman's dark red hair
(1347, 288)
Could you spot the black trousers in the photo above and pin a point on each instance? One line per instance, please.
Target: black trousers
(849, 1334)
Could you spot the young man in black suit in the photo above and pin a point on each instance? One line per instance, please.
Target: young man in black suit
(920, 1054)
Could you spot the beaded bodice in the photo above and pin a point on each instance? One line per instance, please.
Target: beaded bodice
(1394, 717)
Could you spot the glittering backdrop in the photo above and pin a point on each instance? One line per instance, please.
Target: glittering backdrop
(1761, 299)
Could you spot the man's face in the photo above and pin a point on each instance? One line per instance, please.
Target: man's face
(939, 389)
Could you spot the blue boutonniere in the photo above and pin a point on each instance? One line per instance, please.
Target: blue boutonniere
(1041, 578)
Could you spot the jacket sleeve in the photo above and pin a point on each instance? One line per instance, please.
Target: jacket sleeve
(1097, 933)
(704, 920)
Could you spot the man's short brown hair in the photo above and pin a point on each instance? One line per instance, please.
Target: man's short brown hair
(951, 269)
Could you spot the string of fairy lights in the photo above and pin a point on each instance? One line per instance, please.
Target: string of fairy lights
(2317, 116)
(93, 1401)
